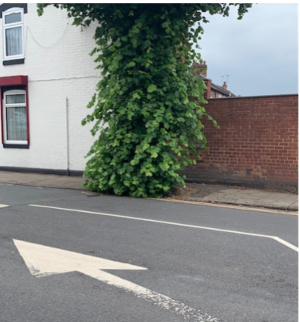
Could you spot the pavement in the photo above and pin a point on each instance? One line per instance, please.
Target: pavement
(194, 192)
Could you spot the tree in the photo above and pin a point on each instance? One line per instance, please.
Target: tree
(148, 108)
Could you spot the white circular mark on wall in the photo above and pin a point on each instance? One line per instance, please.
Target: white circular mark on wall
(49, 29)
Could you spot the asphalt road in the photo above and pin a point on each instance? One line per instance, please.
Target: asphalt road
(202, 263)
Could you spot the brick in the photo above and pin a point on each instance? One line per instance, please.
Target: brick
(258, 133)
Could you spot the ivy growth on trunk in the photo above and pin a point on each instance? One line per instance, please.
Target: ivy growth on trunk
(148, 108)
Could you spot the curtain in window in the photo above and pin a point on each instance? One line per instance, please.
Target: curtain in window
(16, 123)
(13, 38)
(15, 98)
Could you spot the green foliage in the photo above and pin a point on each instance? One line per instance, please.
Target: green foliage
(146, 123)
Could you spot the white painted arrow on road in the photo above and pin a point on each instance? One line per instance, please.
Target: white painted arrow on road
(44, 261)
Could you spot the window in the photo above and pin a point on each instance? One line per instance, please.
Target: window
(14, 112)
(15, 117)
(13, 42)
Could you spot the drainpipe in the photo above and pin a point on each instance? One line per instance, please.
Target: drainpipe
(68, 136)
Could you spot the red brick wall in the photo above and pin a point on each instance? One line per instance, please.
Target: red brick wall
(257, 143)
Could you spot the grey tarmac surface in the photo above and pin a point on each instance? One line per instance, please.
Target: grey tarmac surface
(230, 277)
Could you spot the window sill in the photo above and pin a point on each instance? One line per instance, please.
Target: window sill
(13, 62)
(15, 146)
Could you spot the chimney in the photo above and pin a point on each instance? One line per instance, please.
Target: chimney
(207, 93)
(201, 68)
(224, 86)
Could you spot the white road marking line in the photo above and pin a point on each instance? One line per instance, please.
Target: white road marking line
(287, 244)
(44, 261)
(3, 206)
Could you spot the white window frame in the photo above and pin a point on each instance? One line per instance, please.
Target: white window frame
(13, 25)
(5, 105)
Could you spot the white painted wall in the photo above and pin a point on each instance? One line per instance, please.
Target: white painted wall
(58, 66)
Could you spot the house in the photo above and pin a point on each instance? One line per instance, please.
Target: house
(212, 90)
(47, 78)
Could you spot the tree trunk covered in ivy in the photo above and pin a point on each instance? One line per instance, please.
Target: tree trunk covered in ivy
(146, 125)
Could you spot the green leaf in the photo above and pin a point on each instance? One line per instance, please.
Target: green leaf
(131, 64)
(136, 95)
(151, 88)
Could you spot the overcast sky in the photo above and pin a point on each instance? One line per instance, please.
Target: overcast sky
(259, 52)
